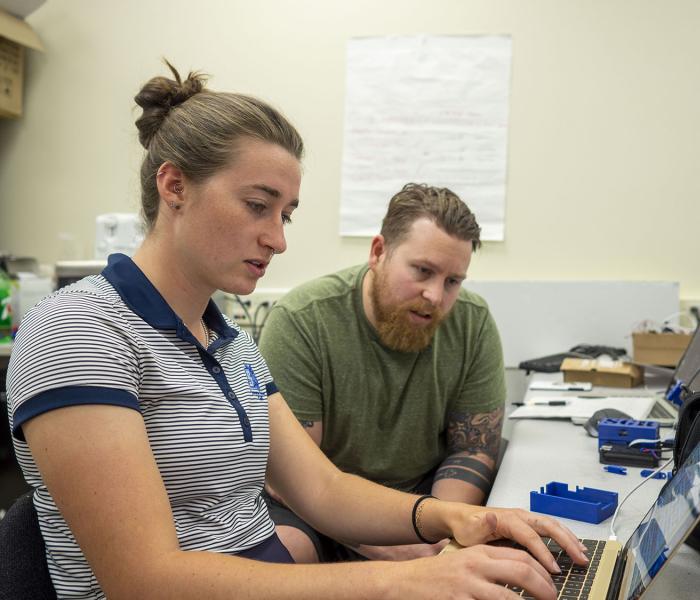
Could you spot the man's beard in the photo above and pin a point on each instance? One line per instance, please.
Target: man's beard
(395, 329)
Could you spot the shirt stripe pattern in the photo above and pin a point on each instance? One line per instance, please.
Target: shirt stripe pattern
(205, 410)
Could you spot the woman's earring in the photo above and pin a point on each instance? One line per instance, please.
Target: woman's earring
(178, 189)
(174, 206)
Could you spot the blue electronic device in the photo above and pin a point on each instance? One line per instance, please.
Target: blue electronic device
(673, 394)
(624, 431)
(583, 504)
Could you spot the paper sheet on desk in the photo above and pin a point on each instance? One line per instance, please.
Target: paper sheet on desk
(579, 408)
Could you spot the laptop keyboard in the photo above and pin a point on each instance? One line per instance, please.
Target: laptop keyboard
(659, 411)
(574, 582)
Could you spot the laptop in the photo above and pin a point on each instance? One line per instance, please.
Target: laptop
(685, 374)
(617, 572)
(687, 371)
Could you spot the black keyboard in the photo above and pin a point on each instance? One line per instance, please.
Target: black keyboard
(575, 581)
(546, 364)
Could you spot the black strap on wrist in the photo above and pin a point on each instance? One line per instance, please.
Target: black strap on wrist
(414, 519)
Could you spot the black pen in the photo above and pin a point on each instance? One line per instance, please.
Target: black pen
(545, 403)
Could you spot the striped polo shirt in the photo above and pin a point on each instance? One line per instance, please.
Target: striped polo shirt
(113, 339)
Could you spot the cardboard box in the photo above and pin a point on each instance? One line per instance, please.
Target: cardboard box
(664, 349)
(15, 36)
(609, 373)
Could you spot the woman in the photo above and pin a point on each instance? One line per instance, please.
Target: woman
(147, 422)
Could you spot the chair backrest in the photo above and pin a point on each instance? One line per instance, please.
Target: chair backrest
(23, 571)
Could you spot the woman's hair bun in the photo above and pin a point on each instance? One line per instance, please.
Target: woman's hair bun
(159, 95)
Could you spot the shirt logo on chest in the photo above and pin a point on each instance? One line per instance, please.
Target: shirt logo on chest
(253, 383)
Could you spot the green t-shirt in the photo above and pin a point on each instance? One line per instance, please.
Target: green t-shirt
(384, 412)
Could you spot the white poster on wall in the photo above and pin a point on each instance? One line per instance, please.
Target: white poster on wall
(425, 109)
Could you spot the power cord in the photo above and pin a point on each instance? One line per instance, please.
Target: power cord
(257, 319)
(695, 311)
(244, 304)
(613, 537)
(257, 327)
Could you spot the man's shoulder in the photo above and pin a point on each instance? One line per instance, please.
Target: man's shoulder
(469, 301)
(329, 289)
(469, 315)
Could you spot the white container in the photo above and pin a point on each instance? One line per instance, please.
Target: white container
(117, 232)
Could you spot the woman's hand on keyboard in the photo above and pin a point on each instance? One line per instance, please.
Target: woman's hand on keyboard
(487, 524)
(476, 573)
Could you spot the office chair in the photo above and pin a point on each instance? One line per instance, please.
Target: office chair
(24, 574)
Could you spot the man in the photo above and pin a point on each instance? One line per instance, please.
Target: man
(393, 368)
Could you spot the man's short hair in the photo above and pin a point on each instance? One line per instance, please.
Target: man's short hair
(440, 205)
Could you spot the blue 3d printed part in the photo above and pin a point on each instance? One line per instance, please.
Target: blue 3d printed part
(615, 469)
(623, 431)
(584, 504)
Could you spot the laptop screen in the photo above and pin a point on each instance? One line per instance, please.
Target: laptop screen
(664, 527)
(689, 364)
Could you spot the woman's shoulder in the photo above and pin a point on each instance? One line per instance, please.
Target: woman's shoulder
(90, 302)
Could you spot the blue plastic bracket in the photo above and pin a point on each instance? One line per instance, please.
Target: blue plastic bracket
(583, 504)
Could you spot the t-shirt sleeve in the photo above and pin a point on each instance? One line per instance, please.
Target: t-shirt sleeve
(484, 388)
(71, 349)
(288, 345)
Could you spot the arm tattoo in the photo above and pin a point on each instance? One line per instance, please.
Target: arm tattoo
(306, 424)
(475, 433)
(463, 475)
(469, 463)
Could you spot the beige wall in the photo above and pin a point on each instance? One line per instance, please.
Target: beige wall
(603, 178)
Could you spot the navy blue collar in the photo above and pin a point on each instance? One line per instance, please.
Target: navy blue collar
(141, 296)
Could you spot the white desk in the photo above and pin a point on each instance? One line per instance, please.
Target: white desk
(540, 451)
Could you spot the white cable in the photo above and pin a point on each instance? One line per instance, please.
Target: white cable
(643, 441)
(652, 326)
(648, 441)
(678, 316)
(634, 489)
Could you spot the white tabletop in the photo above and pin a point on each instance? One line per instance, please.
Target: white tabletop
(540, 451)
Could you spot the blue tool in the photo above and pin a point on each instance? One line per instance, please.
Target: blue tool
(616, 469)
(659, 475)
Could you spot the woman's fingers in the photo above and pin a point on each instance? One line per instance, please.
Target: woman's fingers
(526, 529)
(494, 525)
(546, 526)
(481, 572)
(517, 568)
(505, 553)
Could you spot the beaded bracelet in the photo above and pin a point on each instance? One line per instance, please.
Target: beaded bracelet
(415, 518)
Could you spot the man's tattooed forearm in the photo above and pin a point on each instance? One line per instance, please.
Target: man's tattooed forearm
(470, 463)
(475, 433)
(463, 475)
